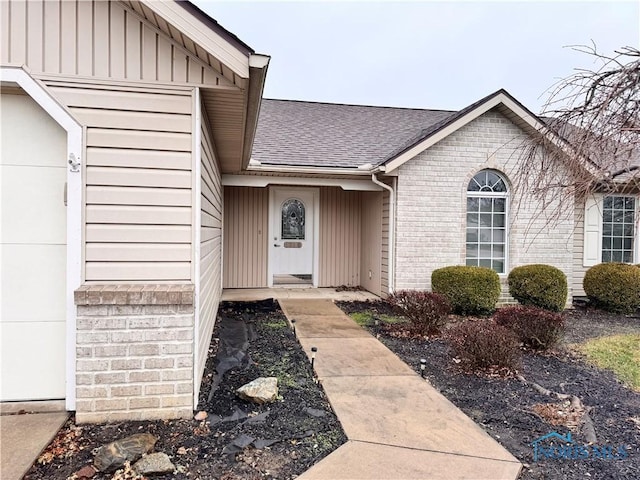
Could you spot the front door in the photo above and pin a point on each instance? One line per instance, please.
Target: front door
(292, 244)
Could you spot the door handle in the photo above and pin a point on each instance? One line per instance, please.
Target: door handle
(276, 245)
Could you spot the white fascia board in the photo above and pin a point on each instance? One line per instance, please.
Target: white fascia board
(201, 34)
(469, 117)
(534, 123)
(444, 133)
(253, 97)
(258, 60)
(263, 181)
(273, 169)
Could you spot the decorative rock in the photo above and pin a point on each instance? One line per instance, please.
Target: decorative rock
(201, 415)
(85, 472)
(114, 454)
(154, 463)
(315, 412)
(261, 390)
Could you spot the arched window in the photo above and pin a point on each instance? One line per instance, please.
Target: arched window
(487, 195)
(293, 220)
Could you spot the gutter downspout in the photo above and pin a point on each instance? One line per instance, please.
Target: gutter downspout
(392, 222)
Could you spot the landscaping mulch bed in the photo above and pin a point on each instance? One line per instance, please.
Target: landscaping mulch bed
(514, 414)
(238, 440)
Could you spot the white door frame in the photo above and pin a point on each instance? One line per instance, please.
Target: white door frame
(316, 230)
(37, 91)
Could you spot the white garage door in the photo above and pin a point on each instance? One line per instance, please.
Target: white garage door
(33, 251)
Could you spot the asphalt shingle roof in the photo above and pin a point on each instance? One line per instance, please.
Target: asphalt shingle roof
(298, 133)
(335, 135)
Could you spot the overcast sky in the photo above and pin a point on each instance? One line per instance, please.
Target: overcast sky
(424, 54)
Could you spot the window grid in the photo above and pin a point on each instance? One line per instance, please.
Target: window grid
(486, 232)
(618, 229)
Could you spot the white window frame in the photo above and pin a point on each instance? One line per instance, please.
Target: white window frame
(488, 194)
(593, 223)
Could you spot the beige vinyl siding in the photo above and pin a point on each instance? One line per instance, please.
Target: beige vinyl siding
(246, 218)
(578, 253)
(211, 207)
(384, 264)
(103, 39)
(371, 233)
(138, 181)
(340, 227)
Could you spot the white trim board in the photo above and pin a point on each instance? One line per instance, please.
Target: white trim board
(39, 94)
(202, 35)
(197, 233)
(274, 170)
(499, 99)
(264, 180)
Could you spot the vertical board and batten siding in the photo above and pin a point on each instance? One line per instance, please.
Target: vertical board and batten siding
(340, 237)
(211, 208)
(384, 246)
(246, 219)
(579, 269)
(371, 250)
(102, 39)
(138, 181)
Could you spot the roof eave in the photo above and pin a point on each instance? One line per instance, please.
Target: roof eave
(301, 170)
(258, 65)
(214, 25)
(501, 97)
(206, 32)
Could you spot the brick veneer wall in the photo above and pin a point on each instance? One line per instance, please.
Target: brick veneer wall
(134, 352)
(431, 205)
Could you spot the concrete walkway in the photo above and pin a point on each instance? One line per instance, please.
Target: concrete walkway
(22, 439)
(253, 294)
(398, 425)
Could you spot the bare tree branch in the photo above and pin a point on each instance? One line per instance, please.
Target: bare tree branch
(597, 113)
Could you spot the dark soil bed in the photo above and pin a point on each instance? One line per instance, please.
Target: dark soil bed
(503, 407)
(238, 440)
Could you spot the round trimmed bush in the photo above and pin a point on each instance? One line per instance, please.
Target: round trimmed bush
(614, 287)
(539, 285)
(470, 290)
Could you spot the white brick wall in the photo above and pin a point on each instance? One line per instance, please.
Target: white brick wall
(431, 205)
(134, 361)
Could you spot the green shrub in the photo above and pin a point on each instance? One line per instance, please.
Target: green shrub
(542, 286)
(613, 286)
(535, 327)
(426, 311)
(470, 290)
(482, 345)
